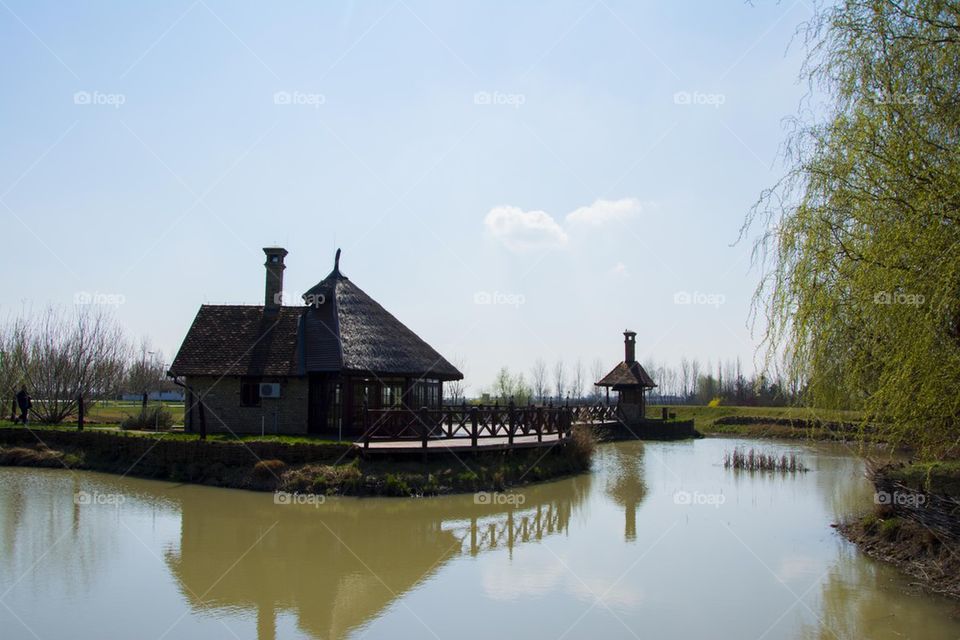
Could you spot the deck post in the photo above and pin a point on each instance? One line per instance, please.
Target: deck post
(539, 423)
(80, 413)
(424, 428)
(511, 421)
(474, 421)
(366, 425)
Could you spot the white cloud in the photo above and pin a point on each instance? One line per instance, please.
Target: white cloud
(603, 211)
(522, 230)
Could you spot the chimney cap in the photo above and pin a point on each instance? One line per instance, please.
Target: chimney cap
(275, 251)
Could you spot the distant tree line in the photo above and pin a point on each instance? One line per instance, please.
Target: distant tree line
(689, 383)
(64, 355)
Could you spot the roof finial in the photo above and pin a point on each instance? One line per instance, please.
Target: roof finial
(336, 261)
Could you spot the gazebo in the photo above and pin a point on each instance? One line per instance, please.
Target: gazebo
(631, 381)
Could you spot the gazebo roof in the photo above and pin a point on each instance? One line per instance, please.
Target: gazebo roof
(627, 375)
(346, 329)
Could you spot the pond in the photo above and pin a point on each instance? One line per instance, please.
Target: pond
(659, 541)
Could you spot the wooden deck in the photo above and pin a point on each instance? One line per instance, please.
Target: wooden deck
(473, 428)
(459, 444)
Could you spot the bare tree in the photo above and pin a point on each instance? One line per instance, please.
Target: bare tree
(456, 389)
(145, 372)
(576, 385)
(559, 379)
(596, 371)
(538, 374)
(66, 357)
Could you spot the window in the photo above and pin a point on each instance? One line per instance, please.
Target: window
(249, 392)
(391, 394)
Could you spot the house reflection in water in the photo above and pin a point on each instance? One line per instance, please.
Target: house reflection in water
(339, 564)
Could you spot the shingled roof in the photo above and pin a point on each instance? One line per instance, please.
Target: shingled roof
(626, 375)
(240, 340)
(342, 329)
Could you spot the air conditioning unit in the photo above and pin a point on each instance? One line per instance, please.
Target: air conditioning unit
(269, 389)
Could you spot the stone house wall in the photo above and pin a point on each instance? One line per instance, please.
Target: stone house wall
(224, 413)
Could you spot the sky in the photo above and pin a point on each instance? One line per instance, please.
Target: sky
(513, 181)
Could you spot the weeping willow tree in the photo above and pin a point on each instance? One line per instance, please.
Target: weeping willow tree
(861, 241)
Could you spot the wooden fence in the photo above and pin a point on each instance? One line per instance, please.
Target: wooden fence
(478, 422)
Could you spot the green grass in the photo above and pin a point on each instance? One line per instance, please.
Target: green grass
(706, 417)
(179, 435)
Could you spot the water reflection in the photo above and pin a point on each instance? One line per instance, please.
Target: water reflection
(337, 565)
(201, 562)
(625, 484)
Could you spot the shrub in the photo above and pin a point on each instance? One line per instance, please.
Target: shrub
(150, 418)
(580, 447)
(714, 403)
(267, 469)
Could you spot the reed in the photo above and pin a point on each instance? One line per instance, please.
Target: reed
(754, 460)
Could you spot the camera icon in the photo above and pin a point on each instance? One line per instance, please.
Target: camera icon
(82, 297)
(282, 497)
(82, 498)
(282, 97)
(482, 497)
(81, 97)
(882, 297)
(682, 297)
(682, 97)
(482, 97)
(682, 498)
(883, 498)
(482, 297)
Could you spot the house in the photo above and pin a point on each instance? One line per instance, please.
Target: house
(312, 368)
(630, 380)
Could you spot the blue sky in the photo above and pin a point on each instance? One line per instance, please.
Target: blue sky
(511, 180)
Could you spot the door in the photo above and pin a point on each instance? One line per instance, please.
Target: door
(318, 404)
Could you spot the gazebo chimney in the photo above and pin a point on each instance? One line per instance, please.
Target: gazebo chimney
(273, 288)
(629, 346)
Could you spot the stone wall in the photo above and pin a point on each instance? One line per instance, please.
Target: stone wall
(224, 413)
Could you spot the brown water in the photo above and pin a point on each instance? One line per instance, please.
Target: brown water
(659, 541)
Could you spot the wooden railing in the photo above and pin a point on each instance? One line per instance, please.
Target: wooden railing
(471, 422)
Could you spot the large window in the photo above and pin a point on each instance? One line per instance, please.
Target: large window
(249, 392)
(391, 394)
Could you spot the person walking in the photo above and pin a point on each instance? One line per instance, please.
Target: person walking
(24, 402)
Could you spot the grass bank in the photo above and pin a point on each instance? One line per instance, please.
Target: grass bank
(915, 524)
(771, 422)
(290, 464)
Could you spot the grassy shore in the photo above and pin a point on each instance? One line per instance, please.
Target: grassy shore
(768, 422)
(291, 464)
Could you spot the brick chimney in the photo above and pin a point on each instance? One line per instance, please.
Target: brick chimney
(273, 289)
(629, 346)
